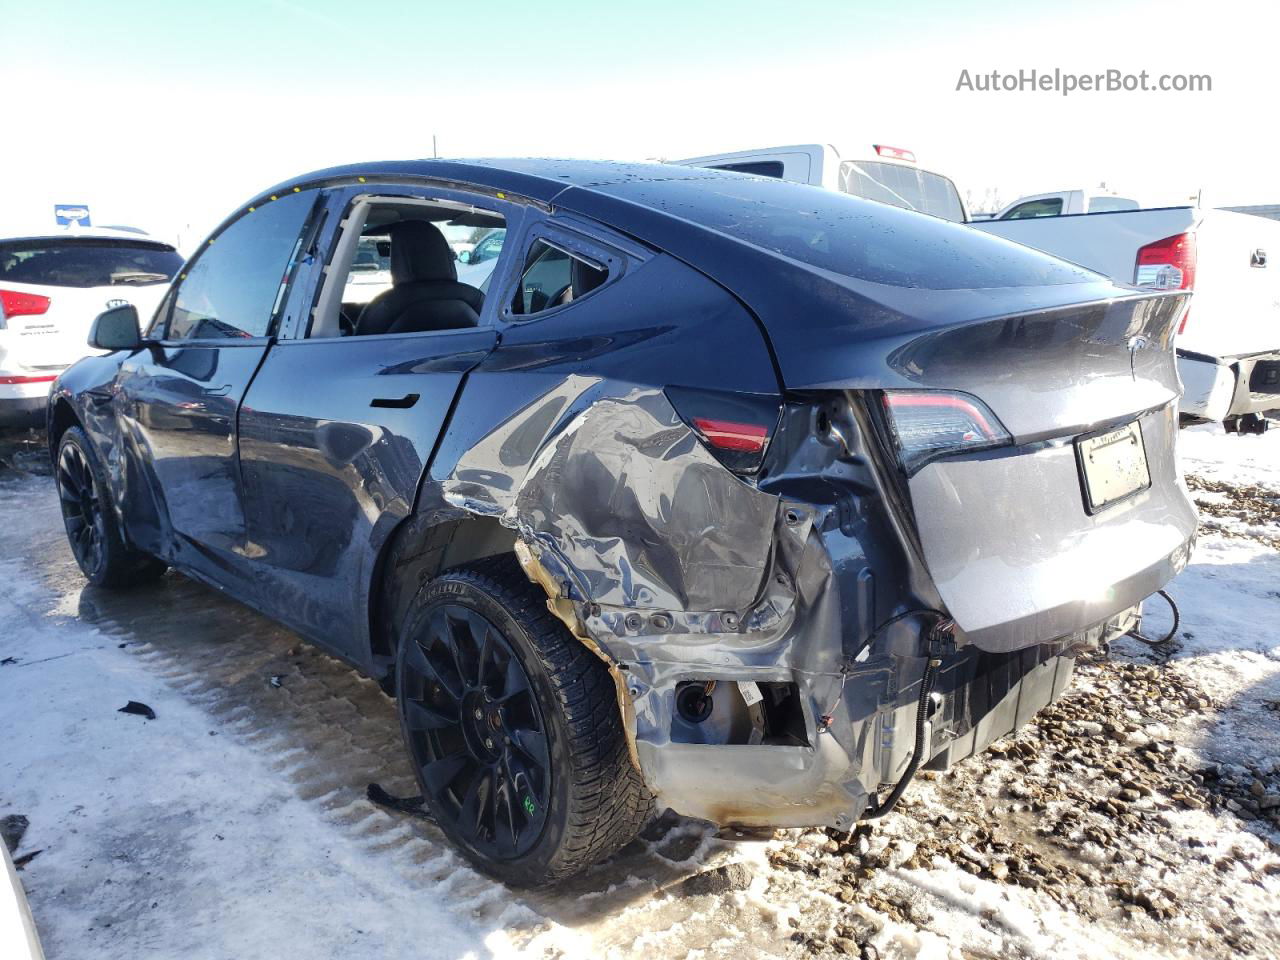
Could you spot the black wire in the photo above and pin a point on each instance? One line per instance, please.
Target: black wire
(825, 721)
(917, 753)
(1137, 634)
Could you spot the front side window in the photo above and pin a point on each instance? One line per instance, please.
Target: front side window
(237, 284)
(488, 248)
(553, 276)
(1035, 208)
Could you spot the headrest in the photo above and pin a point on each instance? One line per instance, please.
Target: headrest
(419, 251)
(584, 277)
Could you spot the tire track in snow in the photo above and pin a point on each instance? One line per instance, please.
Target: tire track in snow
(328, 732)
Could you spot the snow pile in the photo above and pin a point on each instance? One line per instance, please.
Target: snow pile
(1131, 819)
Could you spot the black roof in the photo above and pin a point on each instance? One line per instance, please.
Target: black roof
(816, 266)
(537, 178)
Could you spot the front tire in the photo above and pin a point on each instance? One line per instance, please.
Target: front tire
(93, 531)
(513, 728)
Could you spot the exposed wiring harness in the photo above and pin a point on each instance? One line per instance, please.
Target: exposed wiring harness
(940, 633)
(825, 721)
(1137, 633)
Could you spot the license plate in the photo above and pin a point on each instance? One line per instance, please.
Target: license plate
(1113, 466)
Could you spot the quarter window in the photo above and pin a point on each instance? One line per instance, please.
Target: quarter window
(237, 283)
(552, 277)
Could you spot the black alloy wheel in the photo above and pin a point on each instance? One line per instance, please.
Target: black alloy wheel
(475, 731)
(513, 727)
(94, 533)
(81, 509)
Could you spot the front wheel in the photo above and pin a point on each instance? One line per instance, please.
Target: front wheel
(96, 540)
(513, 728)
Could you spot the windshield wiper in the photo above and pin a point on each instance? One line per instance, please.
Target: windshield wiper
(139, 276)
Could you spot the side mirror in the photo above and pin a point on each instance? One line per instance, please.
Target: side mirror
(116, 329)
(464, 256)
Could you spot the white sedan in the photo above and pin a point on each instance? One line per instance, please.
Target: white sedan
(52, 285)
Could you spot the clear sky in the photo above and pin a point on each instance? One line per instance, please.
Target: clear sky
(169, 115)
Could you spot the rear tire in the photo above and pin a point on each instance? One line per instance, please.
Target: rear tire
(96, 540)
(513, 728)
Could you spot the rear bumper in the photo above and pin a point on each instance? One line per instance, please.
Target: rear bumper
(978, 697)
(23, 412)
(23, 404)
(1219, 388)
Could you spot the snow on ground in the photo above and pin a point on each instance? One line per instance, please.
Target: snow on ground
(1130, 819)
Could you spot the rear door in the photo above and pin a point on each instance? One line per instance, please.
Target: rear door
(177, 400)
(336, 430)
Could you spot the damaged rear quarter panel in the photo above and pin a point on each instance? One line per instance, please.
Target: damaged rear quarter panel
(642, 537)
(565, 434)
(672, 567)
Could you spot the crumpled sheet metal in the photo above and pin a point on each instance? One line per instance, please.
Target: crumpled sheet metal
(670, 567)
(636, 514)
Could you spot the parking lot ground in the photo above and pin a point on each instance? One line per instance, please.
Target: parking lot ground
(1137, 817)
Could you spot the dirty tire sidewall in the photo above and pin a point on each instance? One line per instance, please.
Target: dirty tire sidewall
(575, 834)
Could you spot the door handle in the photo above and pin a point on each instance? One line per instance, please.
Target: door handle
(403, 403)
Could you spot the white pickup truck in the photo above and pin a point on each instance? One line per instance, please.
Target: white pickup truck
(1229, 340)
(1060, 202)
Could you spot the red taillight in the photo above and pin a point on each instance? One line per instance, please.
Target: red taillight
(895, 153)
(1168, 264)
(10, 381)
(729, 435)
(15, 304)
(734, 427)
(928, 424)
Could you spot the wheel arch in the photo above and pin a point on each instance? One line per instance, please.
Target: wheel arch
(421, 547)
(61, 418)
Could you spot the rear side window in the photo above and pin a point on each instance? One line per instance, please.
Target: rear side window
(1035, 208)
(904, 187)
(1112, 204)
(87, 262)
(236, 285)
(760, 168)
(553, 276)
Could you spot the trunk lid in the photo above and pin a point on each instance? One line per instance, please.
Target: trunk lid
(1084, 514)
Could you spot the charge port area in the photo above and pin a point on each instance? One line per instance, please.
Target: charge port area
(738, 713)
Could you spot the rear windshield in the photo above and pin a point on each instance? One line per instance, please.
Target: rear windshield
(904, 187)
(852, 237)
(87, 262)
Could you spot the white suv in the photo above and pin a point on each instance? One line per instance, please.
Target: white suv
(52, 285)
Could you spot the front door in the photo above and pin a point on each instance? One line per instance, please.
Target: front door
(178, 398)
